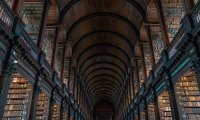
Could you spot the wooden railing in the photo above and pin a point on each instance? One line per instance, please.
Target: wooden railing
(196, 14)
(177, 38)
(6, 14)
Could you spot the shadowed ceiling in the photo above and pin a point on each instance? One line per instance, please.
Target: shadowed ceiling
(101, 38)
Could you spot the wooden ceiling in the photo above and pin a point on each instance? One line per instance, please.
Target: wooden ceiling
(101, 38)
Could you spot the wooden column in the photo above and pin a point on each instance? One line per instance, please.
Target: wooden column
(62, 108)
(34, 102)
(145, 108)
(69, 112)
(8, 68)
(55, 47)
(155, 103)
(17, 7)
(137, 74)
(51, 105)
(130, 86)
(133, 83)
(162, 22)
(63, 63)
(189, 4)
(143, 61)
(150, 46)
(172, 97)
(138, 110)
(46, 7)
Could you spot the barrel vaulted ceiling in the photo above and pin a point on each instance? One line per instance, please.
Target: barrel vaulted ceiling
(101, 38)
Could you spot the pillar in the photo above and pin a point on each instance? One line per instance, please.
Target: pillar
(172, 97)
(189, 4)
(150, 45)
(51, 105)
(162, 22)
(46, 7)
(143, 61)
(34, 102)
(17, 6)
(8, 67)
(155, 103)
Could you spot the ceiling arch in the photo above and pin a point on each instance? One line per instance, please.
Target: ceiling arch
(102, 63)
(92, 85)
(102, 36)
(104, 76)
(132, 2)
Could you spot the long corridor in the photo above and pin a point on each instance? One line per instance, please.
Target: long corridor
(99, 60)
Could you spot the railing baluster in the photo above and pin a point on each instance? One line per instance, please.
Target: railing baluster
(6, 14)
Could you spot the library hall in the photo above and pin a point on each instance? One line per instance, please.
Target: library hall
(99, 59)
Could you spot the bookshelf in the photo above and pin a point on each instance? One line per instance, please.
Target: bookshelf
(142, 115)
(66, 72)
(42, 107)
(56, 112)
(58, 62)
(157, 41)
(147, 57)
(174, 12)
(65, 115)
(164, 106)
(141, 74)
(48, 43)
(188, 95)
(32, 15)
(18, 99)
(151, 111)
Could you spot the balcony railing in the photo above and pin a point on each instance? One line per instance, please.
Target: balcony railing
(196, 14)
(177, 38)
(6, 14)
